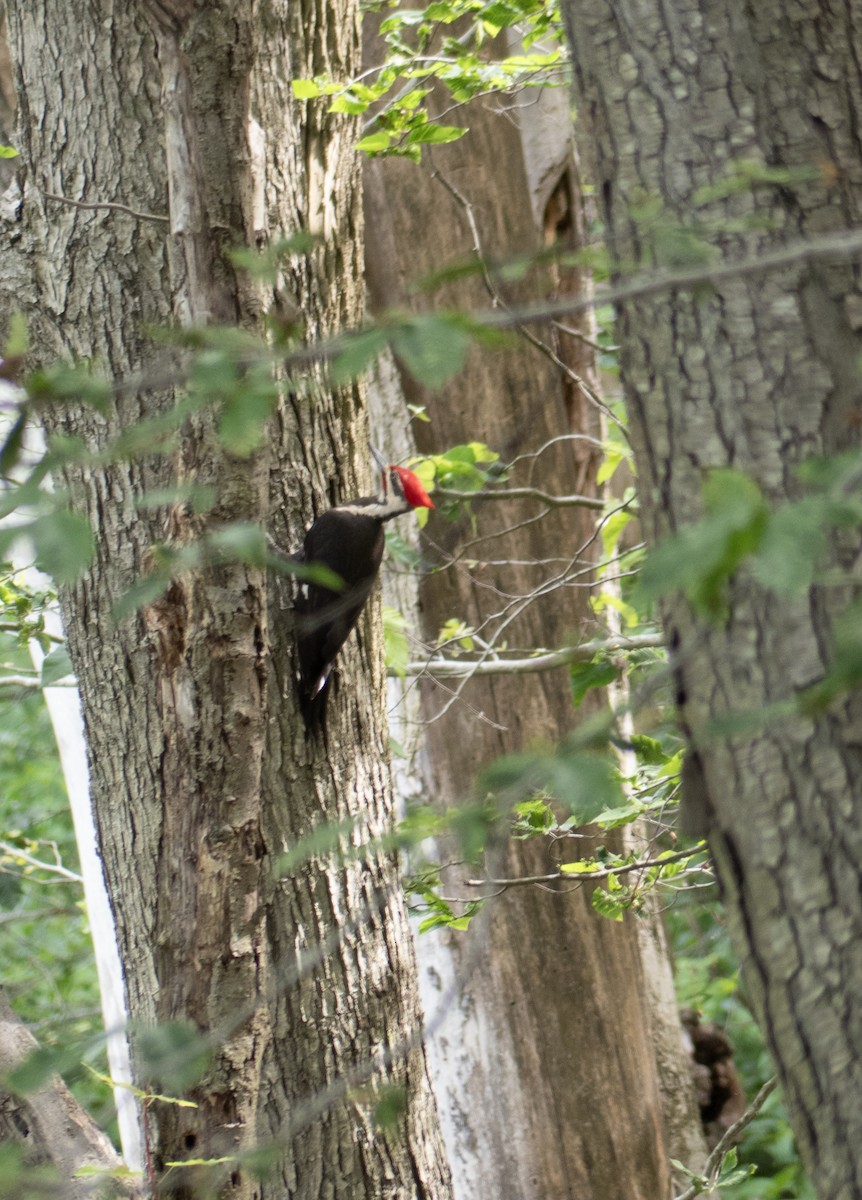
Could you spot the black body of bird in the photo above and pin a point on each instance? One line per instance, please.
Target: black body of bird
(348, 539)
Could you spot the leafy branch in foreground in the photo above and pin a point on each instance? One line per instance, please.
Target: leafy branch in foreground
(422, 60)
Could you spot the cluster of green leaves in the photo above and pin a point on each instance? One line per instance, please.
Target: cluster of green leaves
(471, 467)
(231, 375)
(22, 609)
(423, 55)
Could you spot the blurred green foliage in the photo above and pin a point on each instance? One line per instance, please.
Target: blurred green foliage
(49, 970)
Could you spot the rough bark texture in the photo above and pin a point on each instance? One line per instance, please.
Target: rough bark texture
(556, 995)
(756, 372)
(201, 774)
(56, 1137)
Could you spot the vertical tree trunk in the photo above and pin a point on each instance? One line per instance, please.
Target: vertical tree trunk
(301, 985)
(758, 371)
(558, 994)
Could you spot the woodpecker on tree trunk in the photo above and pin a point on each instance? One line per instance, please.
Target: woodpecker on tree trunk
(348, 539)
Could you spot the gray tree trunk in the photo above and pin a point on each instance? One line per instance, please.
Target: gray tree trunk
(759, 372)
(302, 985)
(556, 994)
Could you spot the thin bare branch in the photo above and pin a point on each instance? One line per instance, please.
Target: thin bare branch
(55, 868)
(452, 668)
(124, 208)
(25, 681)
(526, 493)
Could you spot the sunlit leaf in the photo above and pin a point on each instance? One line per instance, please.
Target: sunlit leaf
(375, 143)
(305, 89)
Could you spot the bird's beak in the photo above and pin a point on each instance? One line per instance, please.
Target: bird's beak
(379, 459)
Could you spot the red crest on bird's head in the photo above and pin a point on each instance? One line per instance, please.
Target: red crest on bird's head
(414, 492)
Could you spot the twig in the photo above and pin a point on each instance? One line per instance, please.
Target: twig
(53, 868)
(836, 247)
(124, 208)
(501, 306)
(450, 668)
(526, 493)
(582, 337)
(26, 681)
(586, 876)
(712, 1168)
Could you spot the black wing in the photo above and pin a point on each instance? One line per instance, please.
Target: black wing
(351, 545)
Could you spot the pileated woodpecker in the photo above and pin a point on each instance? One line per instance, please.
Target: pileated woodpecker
(349, 540)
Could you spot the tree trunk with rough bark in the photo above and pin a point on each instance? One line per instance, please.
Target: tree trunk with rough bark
(758, 371)
(299, 984)
(63, 1151)
(545, 1067)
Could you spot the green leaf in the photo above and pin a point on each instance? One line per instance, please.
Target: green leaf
(8, 152)
(846, 671)
(614, 818)
(375, 143)
(701, 558)
(305, 89)
(432, 348)
(533, 817)
(173, 1054)
(64, 544)
(201, 497)
(793, 545)
(648, 749)
(471, 824)
(320, 843)
(11, 449)
(595, 674)
(34, 1071)
(17, 337)
(242, 424)
(241, 541)
(612, 530)
(57, 665)
(434, 135)
(391, 1106)
(612, 459)
(348, 103)
(606, 905)
(359, 350)
(587, 784)
(395, 640)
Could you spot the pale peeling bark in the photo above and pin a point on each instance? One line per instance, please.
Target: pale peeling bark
(758, 373)
(201, 773)
(545, 1063)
